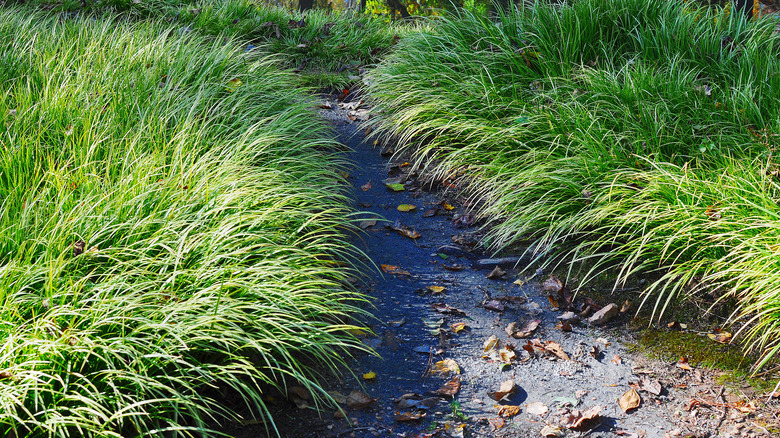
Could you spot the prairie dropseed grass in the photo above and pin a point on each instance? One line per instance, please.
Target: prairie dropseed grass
(636, 136)
(170, 205)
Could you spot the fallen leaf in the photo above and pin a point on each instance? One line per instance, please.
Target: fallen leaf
(430, 212)
(720, 337)
(458, 327)
(494, 305)
(395, 270)
(629, 400)
(404, 230)
(396, 187)
(712, 213)
(525, 332)
(233, 84)
(369, 375)
(552, 285)
(576, 419)
(359, 400)
(446, 308)
(436, 289)
(551, 431)
(446, 366)
(566, 401)
(507, 388)
(454, 267)
(455, 430)
(450, 388)
(507, 411)
(406, 207)
(409, 416)
(683, 364)
(537, 408)
(69, 129)
(563, 326)
(338, 397)
(397, 322)
(366, 187)
(496, 423)
(651, 386)
(617, 360)
(490, 343)
(556, 349)
(447, 207)
(497, 272)
(433, 323)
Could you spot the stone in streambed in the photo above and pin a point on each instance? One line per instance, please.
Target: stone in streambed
(605, 315)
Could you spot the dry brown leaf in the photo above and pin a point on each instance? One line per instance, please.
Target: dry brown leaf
(651, 386)
(576, 419)
(563, 326)
(409, 416)
(450, 388)
(507, 388)
(683, 364)
(617, 360)
(395, 270)
(556, 349)
(537, 408)
(366, 187)
(359, 400)
(507, 411)
(494, 305)
(446, 308)
(496, 423)
(497, 272)
(629, 400)
(552, 285)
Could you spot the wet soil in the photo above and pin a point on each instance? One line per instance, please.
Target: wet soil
(425, 288)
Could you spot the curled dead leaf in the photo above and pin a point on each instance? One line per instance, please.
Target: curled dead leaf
(507, 411)
(506, 389)
(446, 308)
(496, 423)
(450, 388)
(359, 400)
(629, 400)
(579, 419)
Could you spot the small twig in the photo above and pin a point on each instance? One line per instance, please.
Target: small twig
(724, 411)
(767, 372)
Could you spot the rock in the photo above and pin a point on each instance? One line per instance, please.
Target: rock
(570, 317)
(605, 315)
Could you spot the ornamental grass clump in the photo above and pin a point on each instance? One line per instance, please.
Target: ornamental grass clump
(171, 228)
(636, 136)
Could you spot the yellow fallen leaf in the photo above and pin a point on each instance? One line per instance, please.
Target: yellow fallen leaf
(407, 207)
(436, 289)
(458, 327)
(445, 366)
(369, 375)
(490, 343)
(233, 84)
(720, 336)
(448, 207)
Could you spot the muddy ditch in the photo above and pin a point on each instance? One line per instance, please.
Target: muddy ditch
(469, 346)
